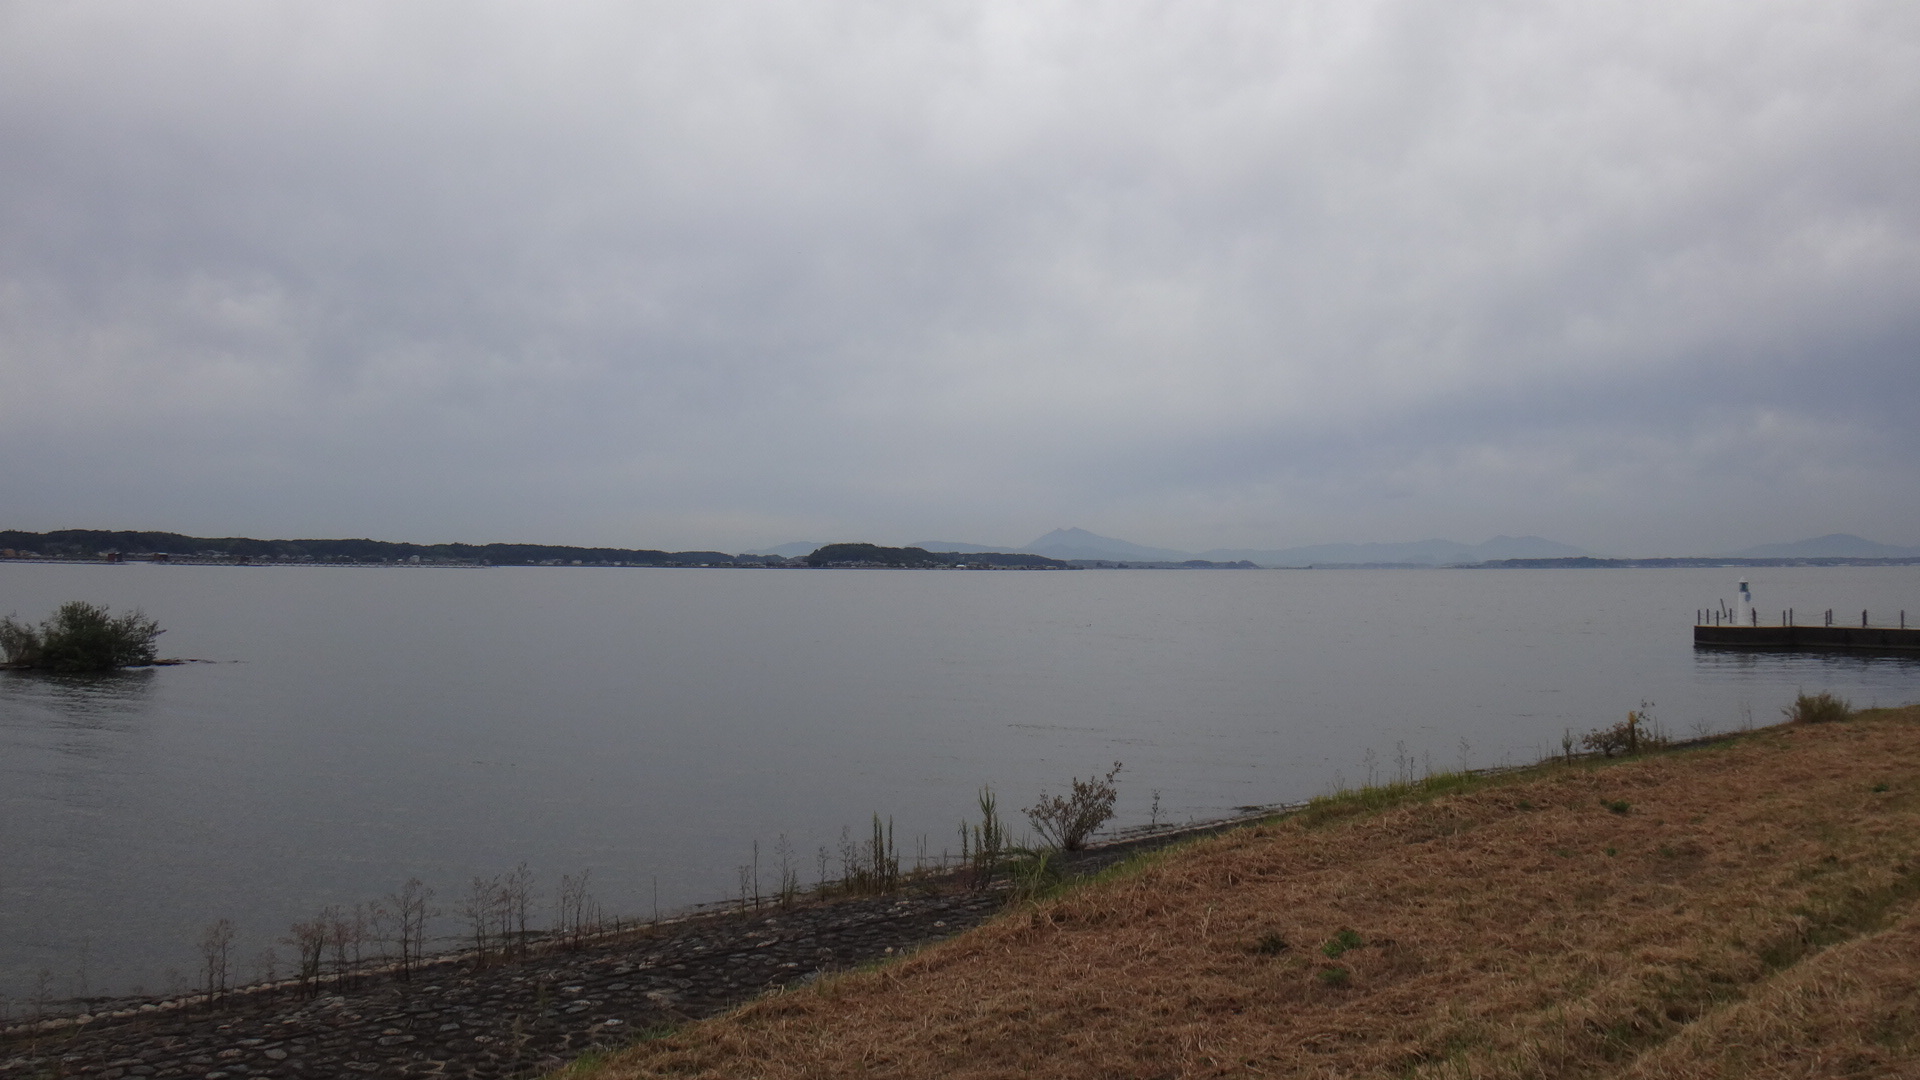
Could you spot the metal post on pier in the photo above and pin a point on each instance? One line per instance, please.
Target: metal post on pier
(1863, 620)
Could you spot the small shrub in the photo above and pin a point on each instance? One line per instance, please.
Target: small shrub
(1820, 708)
(1031, 874)
(1334, 976)
(1067, 821)
(1270, 944)
(1618, 806)
(1344, 941)
(1636, 733)
(80, 637)
(1882, 786)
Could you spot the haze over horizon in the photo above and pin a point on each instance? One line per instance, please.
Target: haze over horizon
(1637, 278)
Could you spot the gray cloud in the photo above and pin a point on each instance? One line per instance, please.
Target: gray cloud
(1641, 277)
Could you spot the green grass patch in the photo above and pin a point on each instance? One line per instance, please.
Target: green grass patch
(1344, 941)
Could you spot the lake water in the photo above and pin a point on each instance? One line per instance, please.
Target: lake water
(366, 725)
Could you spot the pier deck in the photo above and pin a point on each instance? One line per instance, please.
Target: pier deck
(1854, 638)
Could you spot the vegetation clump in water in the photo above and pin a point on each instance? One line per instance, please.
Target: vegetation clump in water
(80, 637)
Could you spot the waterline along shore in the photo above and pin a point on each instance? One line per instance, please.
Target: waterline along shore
(1749, 907)
(1591, 915)
(479, 1014)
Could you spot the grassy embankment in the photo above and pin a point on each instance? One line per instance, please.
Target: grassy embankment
(1750, 908)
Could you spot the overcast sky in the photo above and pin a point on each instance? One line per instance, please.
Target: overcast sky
(1642, 277)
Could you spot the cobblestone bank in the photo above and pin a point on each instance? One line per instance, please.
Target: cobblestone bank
(516, 1019)
(504, 1021)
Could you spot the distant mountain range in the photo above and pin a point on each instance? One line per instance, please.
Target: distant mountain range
(1831, 546)
(794, 550)
(1416, 553)
(1080, 545)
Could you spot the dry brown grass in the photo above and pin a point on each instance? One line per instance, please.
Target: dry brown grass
(1752, 913)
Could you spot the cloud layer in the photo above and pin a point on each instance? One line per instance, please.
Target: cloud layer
(1642, 277)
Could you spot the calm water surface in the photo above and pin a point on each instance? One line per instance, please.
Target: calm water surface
(365, 725)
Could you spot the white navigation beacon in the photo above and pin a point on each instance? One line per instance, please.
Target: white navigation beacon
(1746, 603)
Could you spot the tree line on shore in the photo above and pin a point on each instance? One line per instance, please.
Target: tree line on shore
(110, 544)
(97, 543)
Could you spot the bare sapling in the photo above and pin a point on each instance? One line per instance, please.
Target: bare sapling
(406, 914)
(849, 859)
(346, 930)
(479, 908)
(364, 918)
(266, 968)
(309, 941)
(516, 910)
(215, 944)
(576, 910)
(1065, 822)
(789, 871)
(81, 990)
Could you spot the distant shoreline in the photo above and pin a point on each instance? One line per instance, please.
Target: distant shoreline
(1572, 563)
(111, 546)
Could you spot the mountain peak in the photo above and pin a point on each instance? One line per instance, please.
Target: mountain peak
(1830, 546)
(1074, 542)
